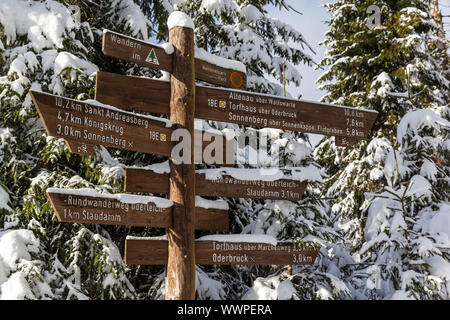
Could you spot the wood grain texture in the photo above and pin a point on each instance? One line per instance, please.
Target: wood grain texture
(259, 110)
(87, 124)
(94, 210)
(141, 180)
(74, 208)
(180, 276)
(155, 252)
(134, 50)
(246, 108)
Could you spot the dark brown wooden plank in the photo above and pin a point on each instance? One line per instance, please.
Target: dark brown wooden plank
(82, 123)
(228, 78)
(154, 252)
(76, 208)
(103, 210)
(212, 219)
(180, 274)
(260, 110)
(248, 108)
(141, 180)
(154, 56)
(132, 93)
(134, 50)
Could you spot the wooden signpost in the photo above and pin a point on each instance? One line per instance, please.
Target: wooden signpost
(347, 124)
(86, 124)
(222, 253)
(161, 57)
(141, 180)
(75, 207)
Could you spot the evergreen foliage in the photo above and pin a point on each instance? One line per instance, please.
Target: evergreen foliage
(383, 186)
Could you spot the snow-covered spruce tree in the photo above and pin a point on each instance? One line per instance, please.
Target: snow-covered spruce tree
(50, 46)
(408, 229)
(391, 67)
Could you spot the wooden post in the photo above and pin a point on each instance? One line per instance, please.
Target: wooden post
(180, 277)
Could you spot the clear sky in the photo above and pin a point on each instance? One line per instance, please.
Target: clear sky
(312, 25)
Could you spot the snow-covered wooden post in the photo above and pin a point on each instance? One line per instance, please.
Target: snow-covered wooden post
(180, 277)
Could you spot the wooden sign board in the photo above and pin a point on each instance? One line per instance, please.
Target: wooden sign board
(154, 252)
(141, 180)
(77, 208)
(261, 110)
(157, 57)
(240, 107)
(84, 125)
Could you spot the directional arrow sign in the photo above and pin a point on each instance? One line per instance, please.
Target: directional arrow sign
(140, 251)
(84, 125)
(160, 57)
(241, 107)
(141, 180)
(87, 206)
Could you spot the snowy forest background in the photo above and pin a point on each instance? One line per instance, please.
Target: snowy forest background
(380, 210)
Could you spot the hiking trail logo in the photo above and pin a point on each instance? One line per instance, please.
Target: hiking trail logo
(152, 58)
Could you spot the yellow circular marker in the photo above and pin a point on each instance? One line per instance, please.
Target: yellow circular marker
(236, 79)
(163, 137)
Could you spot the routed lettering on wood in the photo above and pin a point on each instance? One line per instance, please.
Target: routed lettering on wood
(141, 180)
(287, 114)
(83, 125)
(134, 50)
(77, 208)
(245, 108)
(154, 56)
(96, 210)
(154, 252)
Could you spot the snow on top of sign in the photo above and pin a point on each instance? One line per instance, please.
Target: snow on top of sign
(309, 173)
(202, 54)
(211, 204)
(160, 168)
(163, 237)
(122, 197)
(250, 238)
(179, 19)
(264, 174)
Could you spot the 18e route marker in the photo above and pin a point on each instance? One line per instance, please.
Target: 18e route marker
(84, 125)
(241, 107)
(90, 124)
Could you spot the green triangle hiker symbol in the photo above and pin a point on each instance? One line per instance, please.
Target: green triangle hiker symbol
(151, 58)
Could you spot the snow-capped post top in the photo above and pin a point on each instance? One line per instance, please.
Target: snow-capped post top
(179, 19)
